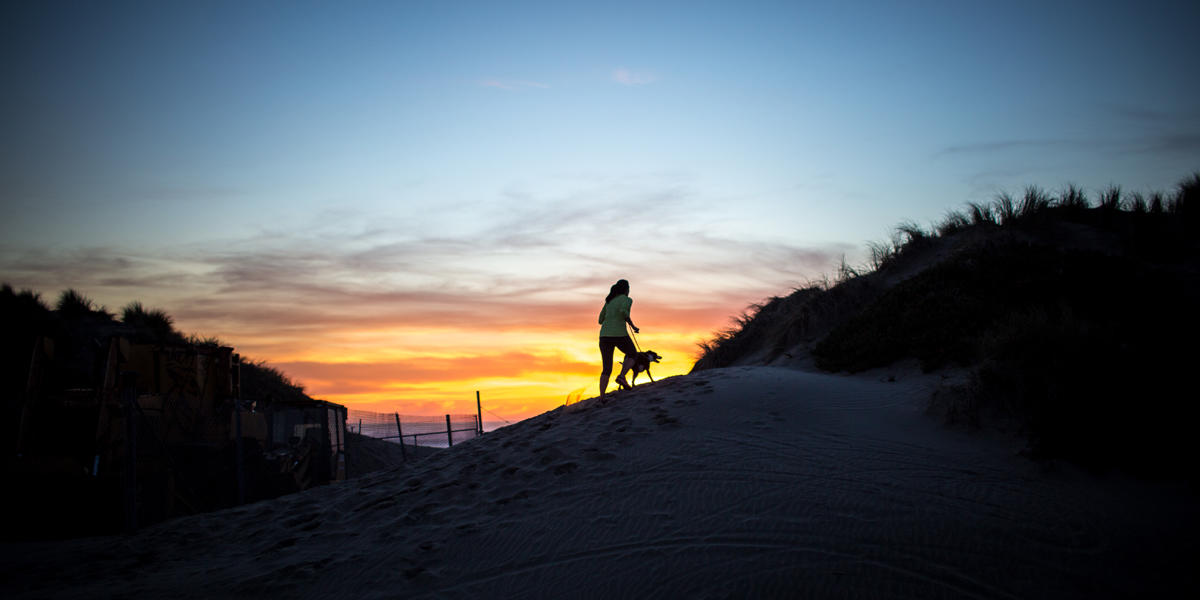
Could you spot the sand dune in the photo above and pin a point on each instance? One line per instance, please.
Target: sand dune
(739, 482)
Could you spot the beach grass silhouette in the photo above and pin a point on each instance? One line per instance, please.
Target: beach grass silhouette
(1070, 315)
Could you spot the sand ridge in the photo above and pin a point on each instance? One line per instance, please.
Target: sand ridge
(738, 482)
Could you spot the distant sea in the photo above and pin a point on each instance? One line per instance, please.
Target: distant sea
(436, 438)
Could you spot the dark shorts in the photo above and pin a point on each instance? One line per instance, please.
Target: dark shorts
(607, 343)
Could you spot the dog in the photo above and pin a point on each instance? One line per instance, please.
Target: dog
(641, 362)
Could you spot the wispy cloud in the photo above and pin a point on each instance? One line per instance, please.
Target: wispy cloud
(520, 293)
(993, 147)
(512, 84)
(433, 369)
(1173, 143)
(1138, 112)
(626, 76)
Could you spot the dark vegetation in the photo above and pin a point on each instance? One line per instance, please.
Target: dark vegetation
(1075, 319)
(79, 331)
(77, 326)
(67, 436)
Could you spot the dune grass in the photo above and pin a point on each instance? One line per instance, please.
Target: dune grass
(150, 325)
(78, 326)
(1073, 318)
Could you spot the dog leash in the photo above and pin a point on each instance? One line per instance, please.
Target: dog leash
(633, 336)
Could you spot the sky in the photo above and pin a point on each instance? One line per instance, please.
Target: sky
(399, 203)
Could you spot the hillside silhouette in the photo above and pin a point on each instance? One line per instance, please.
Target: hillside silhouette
(75, 323)
(1072, 318)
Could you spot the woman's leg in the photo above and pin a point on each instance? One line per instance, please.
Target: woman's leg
(606, 358)
(627, 348)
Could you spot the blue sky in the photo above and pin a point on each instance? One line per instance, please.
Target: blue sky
(781, 107)
(714, 152)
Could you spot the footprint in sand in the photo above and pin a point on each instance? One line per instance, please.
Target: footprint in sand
(597, 454)
(665, 420)
(521, 495)
(299, 520)
(549, 454)
(380, 502)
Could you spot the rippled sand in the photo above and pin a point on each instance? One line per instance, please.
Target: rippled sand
(741, 482)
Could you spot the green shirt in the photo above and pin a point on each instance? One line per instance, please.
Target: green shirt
(613, 315)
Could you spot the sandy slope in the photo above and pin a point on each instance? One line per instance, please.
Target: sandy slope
(749, 481)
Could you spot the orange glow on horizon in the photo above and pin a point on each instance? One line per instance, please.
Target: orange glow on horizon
(518, 374)
(524, 353)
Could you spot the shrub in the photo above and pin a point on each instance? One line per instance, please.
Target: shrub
(1110, 199)
(1137, 204)
(72, 303)
(150, 325)
(953, 223)
(261, 381)
(1073, 200)
(981, 214)
(912, 234)
(1004, 210)
(1035, 202)
(881, 254)
(1157, 204)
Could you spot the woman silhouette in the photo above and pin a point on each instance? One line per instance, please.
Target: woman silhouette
(613, 334)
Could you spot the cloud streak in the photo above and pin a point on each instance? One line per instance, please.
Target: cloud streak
(356, 312)
(433, 369)
(633, 77)
(1173, 143)
(511, 85)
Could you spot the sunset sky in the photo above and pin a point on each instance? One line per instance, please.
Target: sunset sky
(399, 203)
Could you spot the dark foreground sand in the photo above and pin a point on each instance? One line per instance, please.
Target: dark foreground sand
(742, 482)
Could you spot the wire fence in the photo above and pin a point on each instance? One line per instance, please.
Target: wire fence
(438, 431)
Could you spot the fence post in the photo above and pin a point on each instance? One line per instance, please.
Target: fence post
(237, 446)
(478, 414)
(360, 427)
(400, 438)
(449, 436)
(130, 394)
(237, 414)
